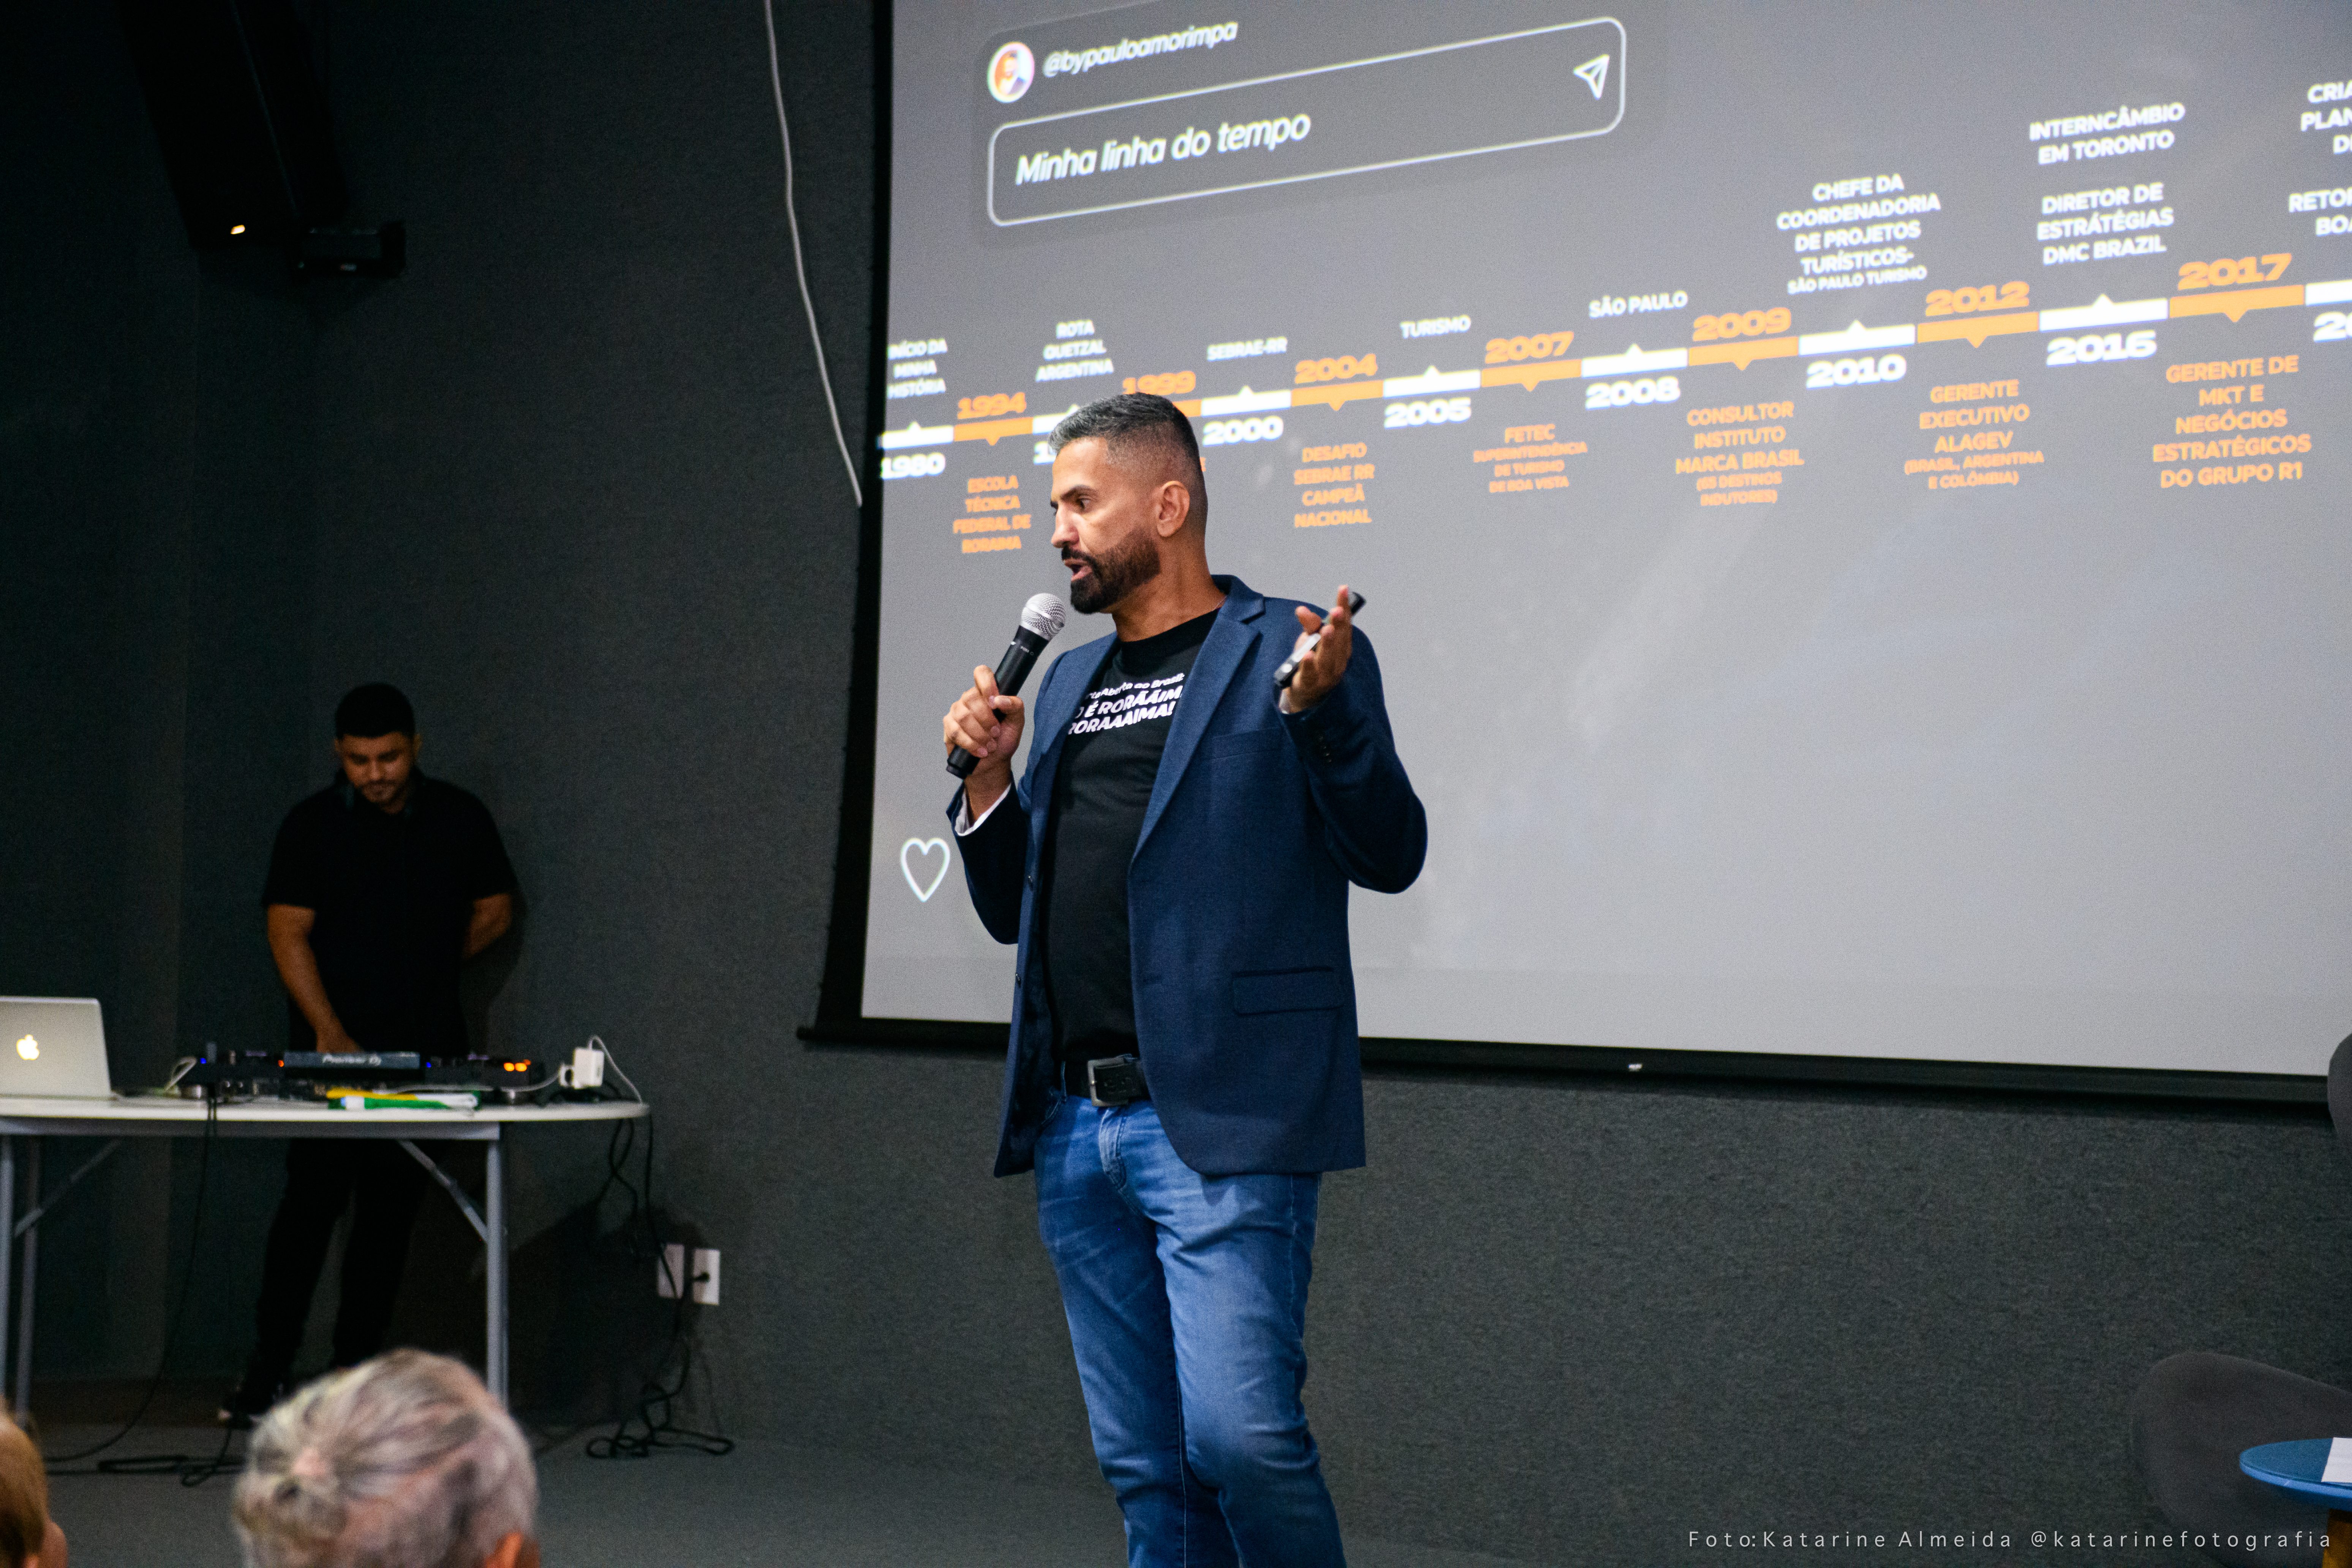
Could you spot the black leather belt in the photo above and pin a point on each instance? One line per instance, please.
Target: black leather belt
(1105, 1081)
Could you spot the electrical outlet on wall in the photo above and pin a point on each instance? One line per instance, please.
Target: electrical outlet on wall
(669, 1273)
(706, 1276)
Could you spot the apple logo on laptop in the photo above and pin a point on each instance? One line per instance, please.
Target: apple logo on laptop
(28, 1047)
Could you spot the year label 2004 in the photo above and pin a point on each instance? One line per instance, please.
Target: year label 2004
(1338, 367)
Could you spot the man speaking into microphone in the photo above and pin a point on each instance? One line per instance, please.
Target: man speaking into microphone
(1174, 867)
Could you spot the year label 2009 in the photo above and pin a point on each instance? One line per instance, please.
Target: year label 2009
(1740, 325)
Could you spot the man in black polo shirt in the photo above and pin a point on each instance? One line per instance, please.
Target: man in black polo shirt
(380, 885)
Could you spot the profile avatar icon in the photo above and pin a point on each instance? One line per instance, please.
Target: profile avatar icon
(1011, 72)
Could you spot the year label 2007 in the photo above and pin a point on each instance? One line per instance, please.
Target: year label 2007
(1542, 345)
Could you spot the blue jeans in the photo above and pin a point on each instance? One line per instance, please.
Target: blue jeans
(1187, 1301)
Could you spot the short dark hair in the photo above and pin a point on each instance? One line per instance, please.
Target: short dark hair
(376, 709)
(1133, 420)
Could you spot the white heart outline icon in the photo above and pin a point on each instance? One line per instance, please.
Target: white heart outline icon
(926, 845)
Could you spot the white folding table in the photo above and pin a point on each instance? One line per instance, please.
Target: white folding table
(160, 1117)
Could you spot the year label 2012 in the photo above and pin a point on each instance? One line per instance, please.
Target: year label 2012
(1961, 301)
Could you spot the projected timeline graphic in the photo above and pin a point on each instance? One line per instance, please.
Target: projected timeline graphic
(1783, 374)
(1565, 83)
(1559, 83)
(1855, 356)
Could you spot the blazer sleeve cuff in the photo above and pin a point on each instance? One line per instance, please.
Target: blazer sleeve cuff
(964, 822)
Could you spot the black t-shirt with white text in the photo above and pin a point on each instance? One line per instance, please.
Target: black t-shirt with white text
(1111, 759)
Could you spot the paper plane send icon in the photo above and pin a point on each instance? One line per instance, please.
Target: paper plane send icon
(1593, 72)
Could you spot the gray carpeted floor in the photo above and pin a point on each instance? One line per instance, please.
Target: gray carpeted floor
(765, 1504)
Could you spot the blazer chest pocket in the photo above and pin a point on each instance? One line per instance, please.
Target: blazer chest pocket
(1289, 991)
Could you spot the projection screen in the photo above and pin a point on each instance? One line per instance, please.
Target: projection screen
(1850, 497)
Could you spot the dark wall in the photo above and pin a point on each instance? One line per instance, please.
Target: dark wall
(155, 440)
(570, 483)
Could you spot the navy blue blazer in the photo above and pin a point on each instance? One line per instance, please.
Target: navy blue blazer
(1237, 901)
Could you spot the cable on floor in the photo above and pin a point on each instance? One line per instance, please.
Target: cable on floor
(652, 1428)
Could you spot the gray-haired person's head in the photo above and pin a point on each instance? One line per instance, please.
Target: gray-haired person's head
(405, 1461)
(1143, 434)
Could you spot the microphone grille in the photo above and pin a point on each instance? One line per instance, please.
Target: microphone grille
(1044, 614)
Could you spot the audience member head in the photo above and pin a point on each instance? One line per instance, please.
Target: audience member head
(405, 1461)
(24, 1524)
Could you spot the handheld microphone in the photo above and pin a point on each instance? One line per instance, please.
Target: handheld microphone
(1289, 667)
(1041, 623)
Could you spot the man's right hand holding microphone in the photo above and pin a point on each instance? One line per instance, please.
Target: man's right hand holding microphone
(987, 723)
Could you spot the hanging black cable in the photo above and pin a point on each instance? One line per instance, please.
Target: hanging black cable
(164, 1463)
(651, 1428)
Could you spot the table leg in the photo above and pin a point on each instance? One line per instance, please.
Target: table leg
(7, 1232)
(2339, 1552)
(25, 1286)
(496, 1242)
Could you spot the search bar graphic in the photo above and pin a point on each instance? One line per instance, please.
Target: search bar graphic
(1453, 101)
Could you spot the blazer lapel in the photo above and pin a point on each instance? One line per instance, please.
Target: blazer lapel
(1221, 654)
(1058, 705)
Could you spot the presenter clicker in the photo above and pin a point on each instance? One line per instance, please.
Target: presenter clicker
(1174, 867)
(380, 887)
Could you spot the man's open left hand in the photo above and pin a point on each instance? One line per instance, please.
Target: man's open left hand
(1321, 670)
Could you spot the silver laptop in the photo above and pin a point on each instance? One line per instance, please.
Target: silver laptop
(54, 1048)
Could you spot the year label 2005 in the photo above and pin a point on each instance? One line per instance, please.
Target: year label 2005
(1435, 410)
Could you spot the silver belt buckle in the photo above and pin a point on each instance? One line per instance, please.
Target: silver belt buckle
(1113, 1082)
